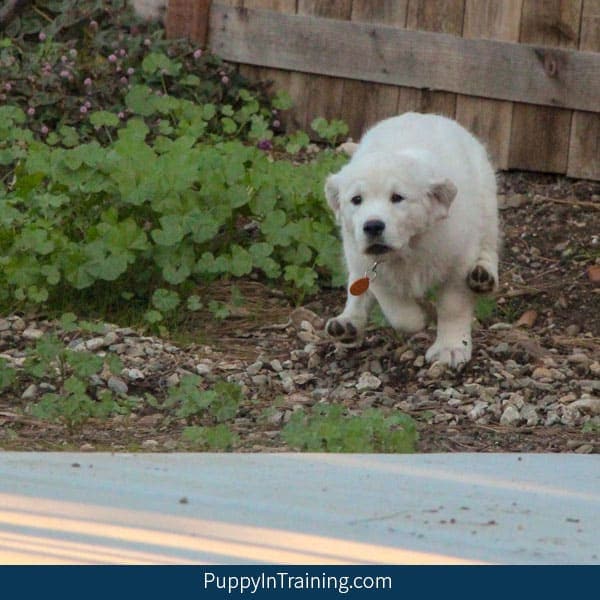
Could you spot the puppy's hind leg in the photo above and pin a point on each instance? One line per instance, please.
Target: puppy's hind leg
(483, 277)
(349, 326)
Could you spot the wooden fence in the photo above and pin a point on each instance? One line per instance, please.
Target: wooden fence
(523, 75)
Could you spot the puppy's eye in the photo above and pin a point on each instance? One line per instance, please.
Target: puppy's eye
(356, 200)
(397, 198)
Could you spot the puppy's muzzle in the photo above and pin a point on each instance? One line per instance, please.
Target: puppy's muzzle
(373, 229)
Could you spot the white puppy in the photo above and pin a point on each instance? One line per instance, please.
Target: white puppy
(417, 204)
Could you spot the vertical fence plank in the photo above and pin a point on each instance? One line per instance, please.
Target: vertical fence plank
(445, 16)
(366, 103)
(322, 95)
(281, 80)
(490, 119)
(540, 135)
(188, 19)
(584, 150)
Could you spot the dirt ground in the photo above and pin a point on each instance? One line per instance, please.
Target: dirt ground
(532, 386)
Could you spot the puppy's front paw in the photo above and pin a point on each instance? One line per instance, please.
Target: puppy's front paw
(480, 280)
(342, 330)
(453, 355)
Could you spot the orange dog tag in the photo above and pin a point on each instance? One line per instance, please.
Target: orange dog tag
(360, 286)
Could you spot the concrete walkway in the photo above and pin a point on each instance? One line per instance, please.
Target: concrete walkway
(299, 509)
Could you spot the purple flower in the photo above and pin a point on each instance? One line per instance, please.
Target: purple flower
(197, 53)
(44, 130)
(31, 111)
(121, 115)
(8, 86)
(147, 42)
(276, 123)
(112, 58)
(122, 52)
(72, 53)
(63, 59)
(224, 80)
(93, 24)
(130, 71)
(87, 81)
(41, 36)
(88, 104)
(65, 74)
(124, 81)
(83, 109)
(264, 145)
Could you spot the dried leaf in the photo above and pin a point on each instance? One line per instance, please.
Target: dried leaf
(527, 319)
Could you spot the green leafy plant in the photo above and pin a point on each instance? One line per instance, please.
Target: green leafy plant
(331, 131)
(327, 428)
(216, 438)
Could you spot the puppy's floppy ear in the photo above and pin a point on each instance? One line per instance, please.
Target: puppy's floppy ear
(441, 194)
(332, 192)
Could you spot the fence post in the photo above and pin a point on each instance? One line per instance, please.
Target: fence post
(188, 18)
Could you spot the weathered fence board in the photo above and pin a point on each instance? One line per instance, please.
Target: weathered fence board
(490, 120)
(584, 149)
(419, 59)
(523, 75)
(540, 135)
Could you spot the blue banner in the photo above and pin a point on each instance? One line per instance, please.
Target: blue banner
(464, 582)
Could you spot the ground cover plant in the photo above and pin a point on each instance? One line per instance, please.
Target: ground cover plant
(135, 172)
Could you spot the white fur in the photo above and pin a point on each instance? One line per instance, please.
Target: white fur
(446, 224)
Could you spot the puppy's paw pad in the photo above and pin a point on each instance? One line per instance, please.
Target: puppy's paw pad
(480, 280)
(342, 330)
(453, 356)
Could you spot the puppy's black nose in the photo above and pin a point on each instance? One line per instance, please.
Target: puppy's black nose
(373, 227)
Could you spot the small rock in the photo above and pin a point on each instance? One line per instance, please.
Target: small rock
(32, 334)
(436, 370)
(303, 378)
(172, 380)
(260, 380)
(578, 358)
(133, 374)
(502, 349)
(276, 365)
(255, 367)
(529, 413)
(419, 361)
(478, 410)
(500, 326)
(584, 449)
(510, 416)
(376, 367)
(405, 355)
(595, 368)
(573, 330)
(203, 369)
(314, 361)
(30, 393)
(117, 385)
(18, 324)
(542, 373)
(150, 444)
(552, 418)
(4, 325)
(95, 344)
(87, 447)
(110, 338)
(588, 405)
(368, 381)
(307, 337)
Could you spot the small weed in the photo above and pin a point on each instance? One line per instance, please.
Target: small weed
(216, 438)
(327, 428)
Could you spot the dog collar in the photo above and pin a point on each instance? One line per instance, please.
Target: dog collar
(361, 285)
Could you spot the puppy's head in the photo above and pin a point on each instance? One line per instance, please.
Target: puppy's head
(382, 200)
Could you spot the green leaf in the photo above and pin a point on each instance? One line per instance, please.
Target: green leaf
(103, 118)
(241, 261)
(193, 303)
(165, 300)
(153, 316)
